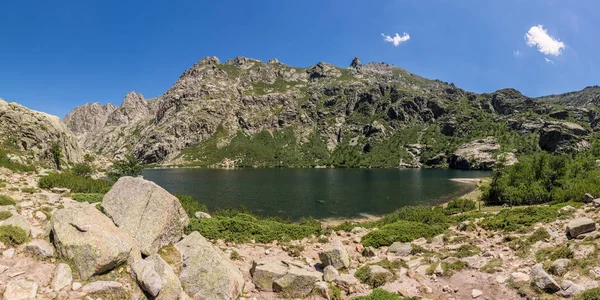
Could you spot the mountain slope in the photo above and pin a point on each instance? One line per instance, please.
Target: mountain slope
(248, 112)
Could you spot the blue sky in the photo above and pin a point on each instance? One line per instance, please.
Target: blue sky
(55, 55)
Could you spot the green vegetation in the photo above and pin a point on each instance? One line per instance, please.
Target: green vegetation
(492, 265)
(520, 218)
(591, 294)
(553, 253)
(13, 166)
(460, 206)
(450, 268)
(73, 182)
(56, 154)
(129, 166)
(82, 170)
(88, 197)
(379, 294)
(29, 190)
(12, 235)
(5, 215)
(6, 200)
(364, 273)
(190, 205)
(401, 231)
(543, 177)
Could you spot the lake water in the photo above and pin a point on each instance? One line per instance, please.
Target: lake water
(320, 193)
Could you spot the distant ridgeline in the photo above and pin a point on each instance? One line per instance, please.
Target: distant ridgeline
(245, 112)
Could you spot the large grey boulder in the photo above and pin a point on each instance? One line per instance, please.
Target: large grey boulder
(40, 248)
(156, 277)
(89, 239)
(570, 289)
(20, 289)
(542, 280)
(560, 266)
(207, 272)
(330, 274)
(297, 282)
(400, 249)
(580, 226)
(379, 274)
(265, 273)
(335, 255)
(63, 277)
(146, 212)
(18, 221)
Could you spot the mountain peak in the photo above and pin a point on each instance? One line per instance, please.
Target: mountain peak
(355, 64)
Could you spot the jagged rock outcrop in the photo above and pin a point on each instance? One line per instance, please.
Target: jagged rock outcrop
(34, 133)
(475, 155)
(133, 108)
(83, 235)
(564, 137)
(89, 118)
(149, 214)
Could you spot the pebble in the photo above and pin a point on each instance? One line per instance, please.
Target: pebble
(10, 253)
(476, 293)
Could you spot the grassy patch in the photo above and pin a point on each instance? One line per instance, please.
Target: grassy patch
(5, 215)
(12, 235)
(450, 268)
(401, 231)
(466, 250)
(75, 183)
(460, 206)
(492, 265)
(520, 218)
(88, 197)
(171, 256)
(591, 294)
(190, 205)
(553, 253)
(29, 190)
(13, 166)
(379, 294)
(6, 200)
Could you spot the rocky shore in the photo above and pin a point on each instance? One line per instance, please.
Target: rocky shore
(134, 245)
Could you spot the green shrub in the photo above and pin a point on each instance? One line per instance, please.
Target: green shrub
(421, 214)
(553, 253)
(379, 294)
(243, 227)
(75, 183)
(401, 231)
(129, 166)
(492, 265)
(335, 292)
(520, 218)
(88, 197)
(6, 200)
(450, 267)
(539, 235)
(82, 170)
(591, 294)
(12, 235)
(466, 250)
(190, 205)
(29, 190)
(13, 166)
(5, 215)
(460, 206)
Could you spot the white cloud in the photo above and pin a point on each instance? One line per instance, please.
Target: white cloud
(516, 53)
(396, 40)
(538, 37)
(548, 60)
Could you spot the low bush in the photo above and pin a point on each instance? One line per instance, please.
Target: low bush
(243, 227)
(82, 170)
(401, 231)
(421, 214)
(492, 265)
(88, 197)
(450, 267)
(76, 184)
(553, 253)
(520, 218)
(591, 294)
(539, 235)
(12, 235)
(13, 166)
(6, 200)
(5, 215)
(29, 190)
(380, 294)
(460, 206)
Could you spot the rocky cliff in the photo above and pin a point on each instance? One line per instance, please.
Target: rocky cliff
(33, 133)
(247, 112)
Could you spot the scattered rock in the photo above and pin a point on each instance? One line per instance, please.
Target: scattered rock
(400, 249)
(323, 289)
(379, 272)
(566, 210)
(347, 282)
(145, 274)
(265, 273)
(330, 273)
(20, 290)
(463, 226)
(580, 226)
(102, 287)
(519, 277)
(476, 293)
(542, 280)
(156, 277)
(146, 212)
(63, 277)
(368, 252)
(18, 221)
(76, 286)
(8, 253)
(40, 248)
(207, 272)
(202, 215)
(100, 248)
(335, 255)
(297, 282)
(570, 289)
(41, 216)
(587, 198)
(438, 240)
(596, 202)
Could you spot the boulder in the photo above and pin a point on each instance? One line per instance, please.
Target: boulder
(202, 215)
(330, 273)
(368, 252)
(476, 293)
(580, 226)
(146, 212)
(596, 202)
(377, 273)
(335, 255)
(322, 288)
(587, 198)
(156, 277)
(82, 234)
(20, 289)
(542, 280)
(560, 266)
(265, 273)
(519, 277)
(17, 221)
(475, 155)
(563, 137)
(347, 282)
(566, 210)
(570, 289)
(400, 249)
(63, 277)
(207, 272)
(102, 287)
(297, 282)
(40, 248)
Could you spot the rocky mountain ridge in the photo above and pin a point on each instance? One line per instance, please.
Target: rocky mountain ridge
(359, 113)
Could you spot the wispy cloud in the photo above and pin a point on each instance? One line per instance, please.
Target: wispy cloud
(549, 60)
(516, 53)
(397, 39)
(538, 37)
